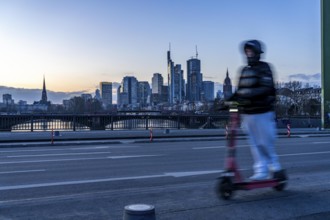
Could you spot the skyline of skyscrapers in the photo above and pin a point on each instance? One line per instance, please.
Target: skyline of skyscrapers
(134, 93)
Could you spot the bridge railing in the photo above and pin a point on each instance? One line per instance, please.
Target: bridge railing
(125, 122)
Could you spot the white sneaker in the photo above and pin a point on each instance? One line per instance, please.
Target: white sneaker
(259, 176)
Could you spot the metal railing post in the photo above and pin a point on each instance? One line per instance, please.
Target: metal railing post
(74, 123)
(31, 123)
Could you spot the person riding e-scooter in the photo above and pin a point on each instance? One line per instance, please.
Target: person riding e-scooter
(256, 89)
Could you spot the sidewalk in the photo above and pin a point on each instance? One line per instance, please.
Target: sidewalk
(19, 139)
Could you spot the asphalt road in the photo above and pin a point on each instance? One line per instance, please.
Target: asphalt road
(97, 181)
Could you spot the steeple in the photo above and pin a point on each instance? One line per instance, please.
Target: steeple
(44, 93)
(227, 80)
(227, 87)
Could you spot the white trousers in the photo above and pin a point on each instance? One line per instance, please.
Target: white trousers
(261, 129)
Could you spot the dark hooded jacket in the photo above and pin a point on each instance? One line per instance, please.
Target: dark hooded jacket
(256, 88)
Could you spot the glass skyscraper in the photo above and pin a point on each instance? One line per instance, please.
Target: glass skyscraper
(106, 92)
(208, 90)
(194, 80)
(129, 89)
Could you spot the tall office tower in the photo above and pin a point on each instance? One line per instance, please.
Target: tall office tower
(208, 90)
(194, 79)
(175, 81)
(122, 98)
(106, 93)
(157, 83)
(178, 84)
(144, 93)
(164, 96)
(227, 87)
(171, 78)
(44, 93)
(129, 86)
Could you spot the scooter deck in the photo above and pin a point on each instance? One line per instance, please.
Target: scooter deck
(249, 185)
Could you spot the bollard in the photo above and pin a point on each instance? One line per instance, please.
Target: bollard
(226, 131)
(52, 138)
(289, 130)
(167, 131)
(139, 212)
(151, 136)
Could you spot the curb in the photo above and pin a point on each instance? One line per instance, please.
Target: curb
(138, 140)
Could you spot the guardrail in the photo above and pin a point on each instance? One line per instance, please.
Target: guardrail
(127, 122)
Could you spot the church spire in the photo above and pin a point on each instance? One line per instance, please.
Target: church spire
(44, 92)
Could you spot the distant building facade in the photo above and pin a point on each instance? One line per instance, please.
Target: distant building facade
(128, 92)
(7, 99)
(144, 92)
(157, 83)
(106, 93)
(208, 91)
(194, 80)
(98, 95)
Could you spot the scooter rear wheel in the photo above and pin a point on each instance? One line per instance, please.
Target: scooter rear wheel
(282, 178)
(225, 188)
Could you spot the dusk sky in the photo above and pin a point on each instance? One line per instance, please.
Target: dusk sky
(76, 44)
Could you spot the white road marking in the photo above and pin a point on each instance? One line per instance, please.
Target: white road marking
(174, 174)
(216, 147)
(192, 173)
(322, 142)
(65, 154)
(121, 146)
(89, 148)
(22, 171)
(78, 159)
(132, 156)
(301, 154)
(18, 151)
(55, 160)
(70, 149)
(37, 185)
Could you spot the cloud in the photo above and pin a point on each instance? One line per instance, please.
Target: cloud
(310, 78)
(208, 77)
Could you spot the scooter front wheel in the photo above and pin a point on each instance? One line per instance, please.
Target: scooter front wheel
(225, 188)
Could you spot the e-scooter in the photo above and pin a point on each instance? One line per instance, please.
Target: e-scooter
(231, 179)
